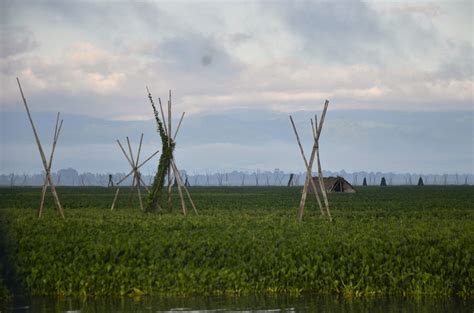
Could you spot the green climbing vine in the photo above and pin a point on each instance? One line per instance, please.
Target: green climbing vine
(155, 194)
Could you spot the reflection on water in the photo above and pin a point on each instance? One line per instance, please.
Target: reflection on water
(306, 303)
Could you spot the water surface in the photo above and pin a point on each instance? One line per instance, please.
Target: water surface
(280, 303)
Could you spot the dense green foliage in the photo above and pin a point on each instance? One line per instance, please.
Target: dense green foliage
(4, 292)
(396, 240)
(167, 147)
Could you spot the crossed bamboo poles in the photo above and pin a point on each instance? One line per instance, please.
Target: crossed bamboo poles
(137, 181)
(46, 164)
(177, 175)
(316, 130)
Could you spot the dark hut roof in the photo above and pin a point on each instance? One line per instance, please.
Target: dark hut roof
(334, 184)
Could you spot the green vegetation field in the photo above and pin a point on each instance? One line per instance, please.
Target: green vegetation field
(392, 240)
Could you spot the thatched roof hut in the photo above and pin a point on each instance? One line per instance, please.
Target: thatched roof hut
(334, 184)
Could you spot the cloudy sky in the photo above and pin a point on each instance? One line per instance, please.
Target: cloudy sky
(403, 69)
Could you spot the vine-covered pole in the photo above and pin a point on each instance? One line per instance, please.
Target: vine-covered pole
(167, 165)
(164, 164)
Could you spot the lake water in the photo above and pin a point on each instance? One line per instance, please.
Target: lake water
(306, 303)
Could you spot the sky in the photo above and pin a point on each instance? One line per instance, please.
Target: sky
(398, 75)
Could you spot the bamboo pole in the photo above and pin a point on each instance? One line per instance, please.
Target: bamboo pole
(309, 178)
(138, 167)
(323, 188)
(139, 192)
(132, 189)
(185, 189)
(141, 164)
(139, 150)
(137, 180)
(323, 116)
(138, 173)
(316, 134)
(45, 183)
(142, 183)
(131, 153)
(179, 125)
(48, 171)
(130, 161)
(320, 171)
(170, 185)
(179, 183)
(40, 148)
(125, 177)
(115, 199)
(125, 154)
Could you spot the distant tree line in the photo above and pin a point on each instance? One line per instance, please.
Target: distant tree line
(71, 177)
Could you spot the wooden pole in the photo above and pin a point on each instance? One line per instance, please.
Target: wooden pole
(125, 154)
(115, 199)
(138, 175)
(179, 125)
(309, 178)
(323, 116)
(40, 148)
(45, 183)
(141, 164)
(132, 161)
(48, 171)
(170, 185)
(139, 150)
(137, 181)
(179, 183)
(323, 188)
(142, 183)
(139, 192)
(185, 189)
(320, 171)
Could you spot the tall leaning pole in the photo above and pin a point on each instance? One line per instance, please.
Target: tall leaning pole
(46, 164)
(309, 181)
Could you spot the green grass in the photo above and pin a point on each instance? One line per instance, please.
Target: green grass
(394, 240)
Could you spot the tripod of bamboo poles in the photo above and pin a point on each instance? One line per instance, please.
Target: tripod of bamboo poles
(172, 165)
(46, 164)
(316, 130)
(137, 181)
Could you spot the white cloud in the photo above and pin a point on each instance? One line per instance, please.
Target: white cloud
(282, 56)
